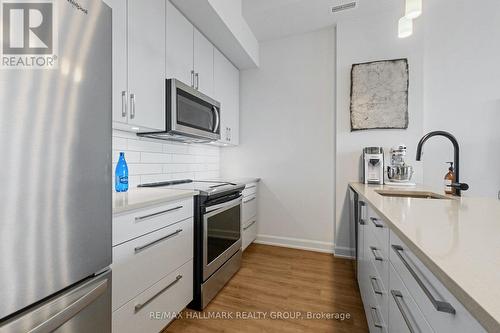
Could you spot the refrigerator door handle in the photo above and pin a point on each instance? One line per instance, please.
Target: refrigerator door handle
(91, 292)
(72, 310)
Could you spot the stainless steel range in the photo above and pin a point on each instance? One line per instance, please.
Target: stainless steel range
(217, 235)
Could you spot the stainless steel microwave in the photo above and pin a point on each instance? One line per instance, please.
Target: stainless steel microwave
(190, 115)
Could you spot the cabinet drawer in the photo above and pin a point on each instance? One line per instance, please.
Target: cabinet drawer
(141, 262)
(379, 292)
(441, 309)
(249, 208)
(249, 233)
(379, 228)
(141, 222)
(250, 189)
(404, 314)
(376, 256)
(169, 295)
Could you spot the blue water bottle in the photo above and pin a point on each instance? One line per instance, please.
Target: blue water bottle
(121, 174)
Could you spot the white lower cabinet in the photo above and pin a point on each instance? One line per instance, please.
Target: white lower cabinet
(399, 293)
(404, 314)
(249, 215)
(152, 266)
(138, 264)
(153, 309)
(443, 311)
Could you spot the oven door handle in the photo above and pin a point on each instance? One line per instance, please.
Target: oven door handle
(223, 205)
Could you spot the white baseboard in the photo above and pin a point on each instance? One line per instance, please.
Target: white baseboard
(295, 243)
(345, 252)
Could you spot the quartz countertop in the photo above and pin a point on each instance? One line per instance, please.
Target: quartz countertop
(138, 198)
(457, 239)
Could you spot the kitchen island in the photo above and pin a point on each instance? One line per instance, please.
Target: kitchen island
(457, 239)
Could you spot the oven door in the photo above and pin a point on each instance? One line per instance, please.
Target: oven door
(221, 235)
(191, 112)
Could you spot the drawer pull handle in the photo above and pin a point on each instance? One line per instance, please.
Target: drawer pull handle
(251, 224)
(163, 212)
(143, 247)
(139, 306)
(376, 222)
(374, 282)
(440, 306)
(396, 294)
(374, 251)
(251, 199)
(376, 318)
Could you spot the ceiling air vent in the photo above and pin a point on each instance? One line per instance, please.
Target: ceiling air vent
(342, 7)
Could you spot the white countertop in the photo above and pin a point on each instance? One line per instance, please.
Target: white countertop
(138, 198)
(458, 240)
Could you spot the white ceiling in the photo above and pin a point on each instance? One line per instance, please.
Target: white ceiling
(273, 19)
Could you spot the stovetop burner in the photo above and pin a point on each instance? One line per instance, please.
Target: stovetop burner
(205, 187)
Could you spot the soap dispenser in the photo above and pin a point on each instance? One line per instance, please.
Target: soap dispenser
(449, 179)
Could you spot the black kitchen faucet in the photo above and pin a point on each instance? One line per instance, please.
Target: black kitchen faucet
(459, 187)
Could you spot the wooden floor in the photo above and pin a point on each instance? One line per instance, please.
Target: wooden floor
(275, 280)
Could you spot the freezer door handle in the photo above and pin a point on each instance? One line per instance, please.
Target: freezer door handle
(72, 310)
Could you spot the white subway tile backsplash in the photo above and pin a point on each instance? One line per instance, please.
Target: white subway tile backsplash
(119, 143)
(145, 169)
(155, 158)
(144, 146)
(130, 156)
(152, 160)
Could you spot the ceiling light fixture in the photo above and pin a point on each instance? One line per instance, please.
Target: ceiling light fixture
(405, 27)
(413, 8)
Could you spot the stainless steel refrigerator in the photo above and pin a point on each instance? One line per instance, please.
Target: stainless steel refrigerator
(55, 173)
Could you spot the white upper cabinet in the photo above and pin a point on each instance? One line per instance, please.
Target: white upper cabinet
(227, 92)
(179, 46)
(146, 63)
(203, 64)
(120, 89)
(138, 64)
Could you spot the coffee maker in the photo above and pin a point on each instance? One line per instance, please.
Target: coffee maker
(373, 165)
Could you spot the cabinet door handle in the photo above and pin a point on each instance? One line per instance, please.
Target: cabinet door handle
(230, 134)
(192, 78)
(197, 77)
(251, 224)
(440, 306)
(376, 222)
(376, 318)
(251, 199)
(139, 306)
(374, 251)
(124, 103)
(143, 247)
(396, 294)
(361, 205)
(374, 282)
(163, 212)
(132, 106)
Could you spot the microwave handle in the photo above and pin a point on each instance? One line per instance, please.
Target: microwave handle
(217, 118)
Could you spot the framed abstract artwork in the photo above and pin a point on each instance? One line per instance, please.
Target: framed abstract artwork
(379, 95)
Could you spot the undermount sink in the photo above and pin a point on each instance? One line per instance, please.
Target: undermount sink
(412, 194)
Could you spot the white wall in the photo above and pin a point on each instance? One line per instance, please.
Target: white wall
(151, 160)
(369, 39)
(462, 91)
(287, 139)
